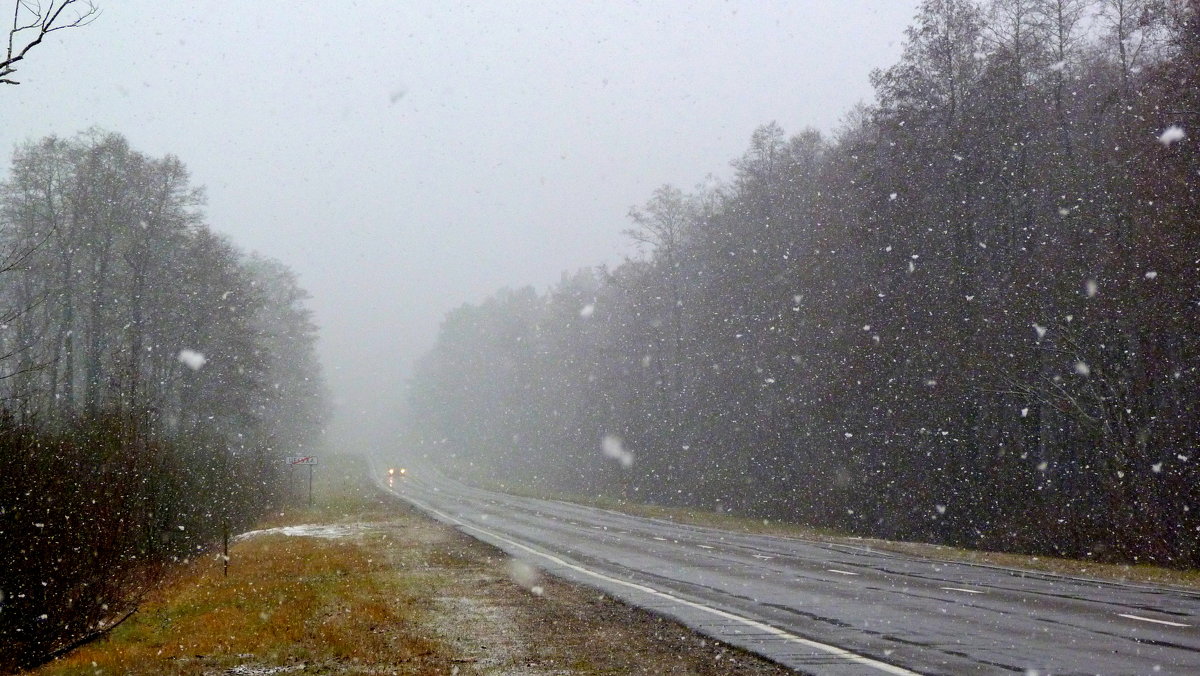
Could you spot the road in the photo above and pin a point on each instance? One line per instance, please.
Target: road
(825, 608)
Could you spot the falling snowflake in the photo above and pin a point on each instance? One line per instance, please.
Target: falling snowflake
(192, 359)
(587, 310)
(1172, 134)
(523, 574)
(614, 448)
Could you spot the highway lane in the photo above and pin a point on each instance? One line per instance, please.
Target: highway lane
(835, 609)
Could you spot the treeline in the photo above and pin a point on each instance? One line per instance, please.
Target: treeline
(971, 317)
(152, 376)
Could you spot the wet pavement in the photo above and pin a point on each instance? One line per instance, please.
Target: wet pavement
(831, 608)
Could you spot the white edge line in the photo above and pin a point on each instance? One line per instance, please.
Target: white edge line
(832, 650)
(1150, 619)
(965, 591)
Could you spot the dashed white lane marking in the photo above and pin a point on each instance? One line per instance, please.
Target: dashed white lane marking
(839, 572)
(833, 650)
(965, 591)
(764, 558)
(705, 547)
(660, 539)
(1150, 619)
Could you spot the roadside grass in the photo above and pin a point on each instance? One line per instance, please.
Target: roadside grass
(1111, 572)
(333, 604)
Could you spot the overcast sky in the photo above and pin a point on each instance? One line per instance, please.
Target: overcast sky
(407, 157)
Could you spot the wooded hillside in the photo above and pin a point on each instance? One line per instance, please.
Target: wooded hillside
(969, 317)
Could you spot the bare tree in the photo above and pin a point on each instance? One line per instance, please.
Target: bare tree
(33, 21)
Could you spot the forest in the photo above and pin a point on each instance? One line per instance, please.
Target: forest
(153, 378)
(969, 316)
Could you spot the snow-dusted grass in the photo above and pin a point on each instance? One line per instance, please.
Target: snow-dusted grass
(319, 593)
(287, 601)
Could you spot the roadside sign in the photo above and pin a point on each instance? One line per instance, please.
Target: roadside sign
(310, 460)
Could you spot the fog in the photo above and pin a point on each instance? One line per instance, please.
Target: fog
(405, 158)
(625, 290)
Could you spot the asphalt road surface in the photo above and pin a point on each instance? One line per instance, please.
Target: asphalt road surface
(830, 608)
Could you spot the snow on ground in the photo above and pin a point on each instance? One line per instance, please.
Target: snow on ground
(244, 670)
(329, 531)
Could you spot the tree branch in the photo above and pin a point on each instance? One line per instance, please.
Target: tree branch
(44, 21)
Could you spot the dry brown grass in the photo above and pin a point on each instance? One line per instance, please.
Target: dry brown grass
(288, 600)
(332, 604)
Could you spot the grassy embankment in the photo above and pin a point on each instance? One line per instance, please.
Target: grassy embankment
(287, 601)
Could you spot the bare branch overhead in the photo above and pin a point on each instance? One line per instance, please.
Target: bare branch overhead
(33, 21)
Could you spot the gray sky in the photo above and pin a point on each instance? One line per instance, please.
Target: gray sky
(407, 157)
